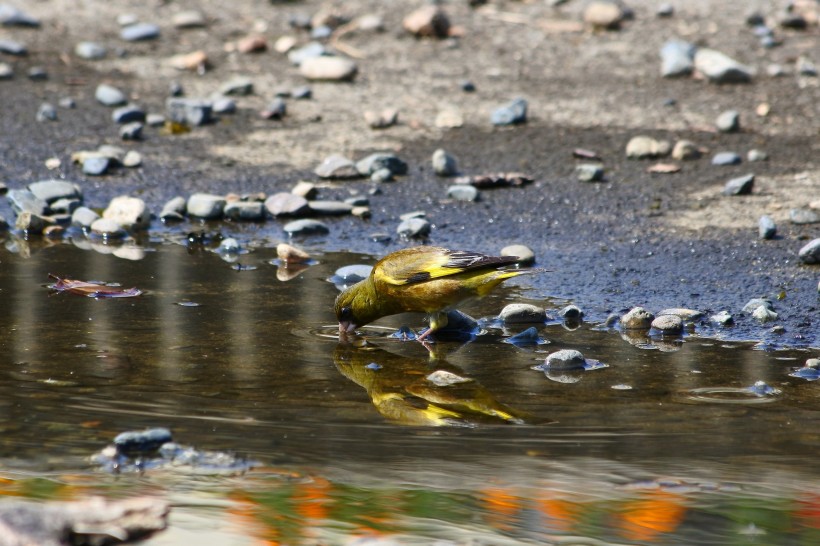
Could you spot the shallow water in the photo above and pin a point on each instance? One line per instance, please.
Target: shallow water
(666, 445)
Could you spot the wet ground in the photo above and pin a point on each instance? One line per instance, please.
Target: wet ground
(665, 445)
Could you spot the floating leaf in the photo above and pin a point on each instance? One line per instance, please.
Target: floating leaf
(92, 289)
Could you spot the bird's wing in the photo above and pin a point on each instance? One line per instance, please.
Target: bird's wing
(415, 265)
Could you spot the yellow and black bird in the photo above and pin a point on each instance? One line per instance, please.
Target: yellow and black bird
(421, 279)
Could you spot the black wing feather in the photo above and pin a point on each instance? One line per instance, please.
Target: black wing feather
(461, 259)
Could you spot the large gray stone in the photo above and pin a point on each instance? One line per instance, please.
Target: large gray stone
(206, 206)
(720, 68)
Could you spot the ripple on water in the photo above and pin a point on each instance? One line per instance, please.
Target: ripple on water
(759, 393)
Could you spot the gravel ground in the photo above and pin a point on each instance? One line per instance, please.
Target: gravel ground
(657, 240)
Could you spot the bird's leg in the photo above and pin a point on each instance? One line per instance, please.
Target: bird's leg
(437, 320)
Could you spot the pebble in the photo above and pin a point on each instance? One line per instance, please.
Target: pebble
(53, 190)
(677, 58)
(139, 32)
(462, 192)
(724, 318)
(428, 21)
(524, 254)
(757, 155)
(683, 313)
(205, 206)
(6, 71)
(444, 164)
(527, 337)
(244, 211)
(766, 227)
(173, 210)
(83, 217)
(90, 50)
(467, 86)
(289, 254)
(64, 206)
(565, 360)
(284, 44)
(665, 10)
(803, 216)
(324, 68)
(720, 68)
(286, 204)
(741, 185)
(522, 313)
(637, 318)
(107, 229)
(336, 166)
(306, 227)
(382, 175)
(96, 165)
(728, 121)
(32, 223)
(329, 208)
(764, 314)
(726, 158)
(252, 44)
(589, 172)
(805, 67)
(642, 147)
(155, 120)
(194, 61)
(685, 150)
(377, 161)
(302, 92)
(131, 131)
(189, 19)
(109, 95)
(132, 159)
(224, 105)
(305, 189)
(276, 110)
(810, 253)
(603, 15)
(11, 47)
(381, 120)
(754, 303)
(37, 74)
(23, 200)
(668, 324)
(449, 118)
(189, 111)
(127, 19)
(414, 228)
(128, 113)
(512, 113)
(129, 212)
(11, 16)
(46, 112)
(308, 51)
(239, 86)
(321, 32)
(571, 313)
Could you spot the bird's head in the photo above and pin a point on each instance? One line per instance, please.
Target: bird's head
(356, 306)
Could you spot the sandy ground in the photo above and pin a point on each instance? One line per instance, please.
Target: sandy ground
(640, 238)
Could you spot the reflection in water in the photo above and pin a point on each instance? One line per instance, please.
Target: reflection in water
(248, 370)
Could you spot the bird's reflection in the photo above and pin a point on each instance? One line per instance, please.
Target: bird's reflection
(423, 390)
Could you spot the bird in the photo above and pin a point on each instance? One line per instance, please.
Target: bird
(424, 279)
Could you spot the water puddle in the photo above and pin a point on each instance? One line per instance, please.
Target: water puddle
(689, 440)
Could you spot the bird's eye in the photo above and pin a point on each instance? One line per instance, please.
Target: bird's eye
(346, 314)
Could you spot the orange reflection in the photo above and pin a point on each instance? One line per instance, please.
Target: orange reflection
(244, 515)
(501, 507)
(808, 512)
(648, 518)
(312, 499)
(561, 515)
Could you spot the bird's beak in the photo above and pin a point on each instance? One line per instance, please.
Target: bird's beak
(346, 328)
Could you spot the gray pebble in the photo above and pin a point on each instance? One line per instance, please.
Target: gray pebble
(107, 229)
(325, 68)
(32, 223)
(374, 162)
(313, 49)
(6, 71)
(682, 312)
(571, 312)
(239, 86)
(109, 95)
(54, 190)
(25, 201)
(173, 210)
(742, 185)
(565, 359)
(726, 158)
(189, 19)
(764, 314)
(522, 313)
(754, 303)
(83, 217)
(766, 228)
(129, 212)
(644, 147)
(336, 166)
(139, 32)
(96, 165)
(11, 47)
(37, 74)
(668, 324)
(358, 201)
(728, 121)
(128, 113)
(685, 150)
(724, 318)
(810, 253)
(11, 16)
(46, 112)
(463, 192)
(757, 155)
(803, 216)
(637, 318)
(64, 206)
(189, 111)
(589, 172)
(444, 164)
(677, 58)
(206, 206)
(303, 92)
(224, 105)
(276, 109)
(286, 204)
(665, 10)
(330, 208)
(132, 159)
(382, 175)
(67, 102)
(155, 120)
(351, 274)
(245, 211)
(720, 68)
(306, 227)
(414, 228)
(805, 67)
(524, 254)
(512, 113)
(131, 131)
(90, 50)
